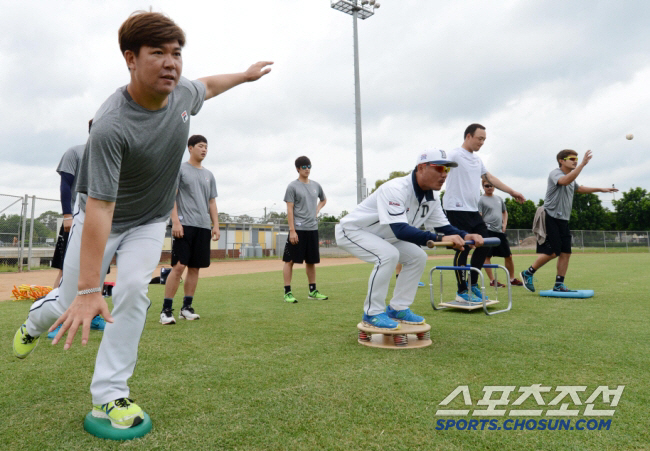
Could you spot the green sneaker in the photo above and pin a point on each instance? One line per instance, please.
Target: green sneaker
(288, 297)
(123, 413)
(24, 343)
(317, 295)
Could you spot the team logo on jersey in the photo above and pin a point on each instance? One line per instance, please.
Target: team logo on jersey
(396, 204)
(184, 116)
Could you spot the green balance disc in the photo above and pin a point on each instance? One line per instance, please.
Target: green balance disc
(101, 427)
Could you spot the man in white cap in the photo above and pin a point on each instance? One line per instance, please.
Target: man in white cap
(384, 230)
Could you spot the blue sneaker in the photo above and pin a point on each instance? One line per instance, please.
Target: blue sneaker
(420, 284)
(476, 291)
(52, 334)
(466, 296)
(97, 323)
(562, 288)
(381, 321)
(404, 316)
(527, 278)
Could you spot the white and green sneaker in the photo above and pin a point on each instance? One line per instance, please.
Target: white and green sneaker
(317, 295)
(123, 413)
(24, 343)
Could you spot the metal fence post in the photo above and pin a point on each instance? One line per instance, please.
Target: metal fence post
(23, 221)
(605, 241)
(31, 235)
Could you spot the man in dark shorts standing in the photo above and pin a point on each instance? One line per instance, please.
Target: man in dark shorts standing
(195, 220)
(461, 205)
(557, 211)
(495, 214)
(304, 199)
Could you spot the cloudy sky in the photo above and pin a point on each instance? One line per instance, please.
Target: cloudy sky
(541, 76)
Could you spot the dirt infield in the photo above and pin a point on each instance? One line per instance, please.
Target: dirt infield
(220, 268)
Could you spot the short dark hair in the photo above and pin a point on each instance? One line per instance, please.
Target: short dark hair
(563, 154)
(471, 129)
(300, 161)
(195, 139)
(150, 29)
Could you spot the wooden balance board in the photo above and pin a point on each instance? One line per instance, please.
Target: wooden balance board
(467, 305)
(408, 336)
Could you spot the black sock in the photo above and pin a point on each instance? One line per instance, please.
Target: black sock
(167, 303)
(287, 289)
(187, 301)
(312, 287)
(531, 270)
(559, 280)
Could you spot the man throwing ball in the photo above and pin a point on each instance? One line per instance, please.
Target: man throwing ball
(384, 230)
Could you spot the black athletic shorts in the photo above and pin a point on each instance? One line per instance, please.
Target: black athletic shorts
(503, 249)
(59, 249)
(469, 221)
(305, 251)
(193, 249)
(558, 237)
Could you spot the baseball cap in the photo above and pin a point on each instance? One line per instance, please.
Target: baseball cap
(436, 156)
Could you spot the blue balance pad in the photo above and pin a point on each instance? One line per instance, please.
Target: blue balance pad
(571, 294)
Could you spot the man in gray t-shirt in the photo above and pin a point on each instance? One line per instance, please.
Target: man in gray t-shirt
(557, 210)
(303, 205)
(495, 214)
(127, 183)
(195, 220)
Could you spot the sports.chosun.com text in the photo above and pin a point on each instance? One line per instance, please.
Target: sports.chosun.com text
(522, 424)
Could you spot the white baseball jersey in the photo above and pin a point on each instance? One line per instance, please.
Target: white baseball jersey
(395, 202)
(463, 185)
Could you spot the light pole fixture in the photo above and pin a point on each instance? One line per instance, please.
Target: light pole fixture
(362, 9)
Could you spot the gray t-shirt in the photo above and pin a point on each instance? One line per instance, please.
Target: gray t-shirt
(559, 198)
(305, 200)
(133, 155)
(195, 189)
(492, 208)
(69, 163)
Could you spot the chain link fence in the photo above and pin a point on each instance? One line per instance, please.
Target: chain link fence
(29, 228)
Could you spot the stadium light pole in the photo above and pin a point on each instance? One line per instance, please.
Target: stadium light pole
(362, 9)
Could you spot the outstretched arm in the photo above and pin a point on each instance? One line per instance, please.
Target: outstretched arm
(217, 84)
(586, 189)
(498, 184)
(84, 307)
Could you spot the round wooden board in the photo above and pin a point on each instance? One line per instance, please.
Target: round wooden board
(384, 338)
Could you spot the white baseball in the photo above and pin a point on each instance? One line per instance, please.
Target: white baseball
(629, 136)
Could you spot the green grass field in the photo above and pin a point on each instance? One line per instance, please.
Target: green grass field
(258, 374)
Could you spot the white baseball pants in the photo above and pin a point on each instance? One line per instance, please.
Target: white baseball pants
(385, 255)
(138, 253)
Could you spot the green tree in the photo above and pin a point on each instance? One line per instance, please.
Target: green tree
(224, 217)
(633, 210)
(520, 216)
(278, 217)
(48, 219)
(391, 176)
(326, 225)
(588, 213)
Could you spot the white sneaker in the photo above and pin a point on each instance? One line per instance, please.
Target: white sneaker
(167, 317)
(188, 314)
